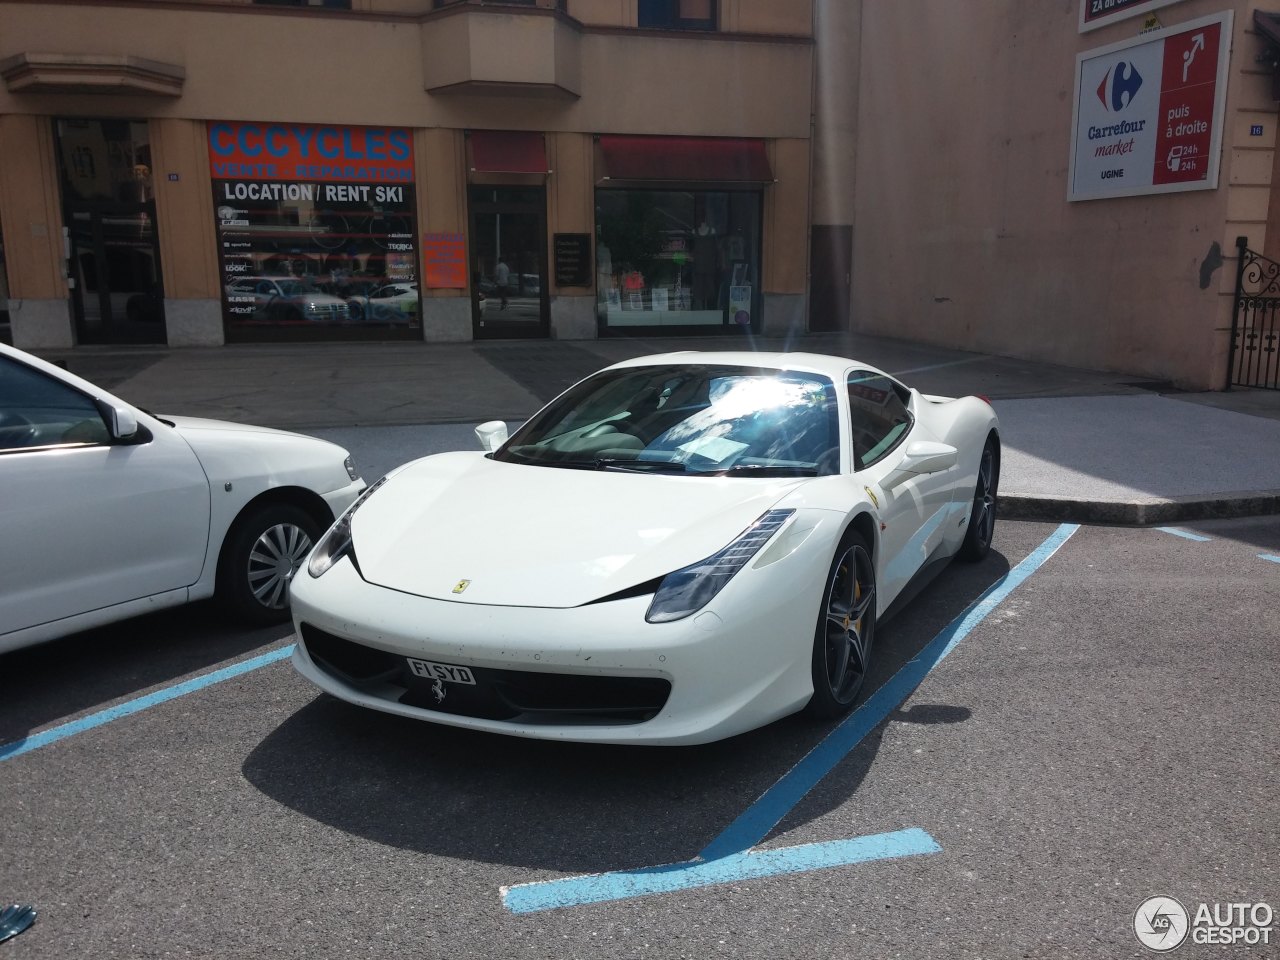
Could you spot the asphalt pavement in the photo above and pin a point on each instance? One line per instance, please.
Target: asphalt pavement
(1105, 732)
(1079, 445)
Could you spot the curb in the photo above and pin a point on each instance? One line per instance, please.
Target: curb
(1140, 513)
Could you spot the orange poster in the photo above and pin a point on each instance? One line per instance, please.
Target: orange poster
(444, 260)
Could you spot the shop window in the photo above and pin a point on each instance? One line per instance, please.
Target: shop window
(321, 241)
(334, 4)
(548, 4)
(678, 259)
(4, 288)
(678, 14)
(107, 161)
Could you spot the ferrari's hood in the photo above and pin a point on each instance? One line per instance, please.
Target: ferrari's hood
(531, 536)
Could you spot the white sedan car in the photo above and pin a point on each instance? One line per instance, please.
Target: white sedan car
(107, 512)
(677, 549)
(390, 303)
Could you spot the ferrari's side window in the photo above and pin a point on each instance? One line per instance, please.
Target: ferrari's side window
(38, 411)
(878, 416)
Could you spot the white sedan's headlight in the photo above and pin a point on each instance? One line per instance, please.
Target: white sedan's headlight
(689, 590)
(336, 543)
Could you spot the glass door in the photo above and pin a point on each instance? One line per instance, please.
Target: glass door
(115, 266)
(109, 214)
(509, 296)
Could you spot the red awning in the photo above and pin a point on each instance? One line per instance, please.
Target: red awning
(506, 151)
(685, 159)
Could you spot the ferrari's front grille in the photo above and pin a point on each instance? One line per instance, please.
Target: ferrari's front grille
(522, 696)
(349, 662)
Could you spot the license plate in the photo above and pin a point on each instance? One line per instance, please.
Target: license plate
(440, 671)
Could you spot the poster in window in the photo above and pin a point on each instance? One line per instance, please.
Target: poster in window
(740, 305)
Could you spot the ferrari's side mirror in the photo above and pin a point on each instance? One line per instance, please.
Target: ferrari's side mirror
(492, 434)
(922, 456)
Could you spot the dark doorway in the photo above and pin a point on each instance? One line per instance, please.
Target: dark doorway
(509, 296)
(115, 263)
(830, 265)
(109, 215)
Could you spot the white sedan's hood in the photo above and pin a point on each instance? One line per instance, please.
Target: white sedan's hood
(189, 424)
(544, 536)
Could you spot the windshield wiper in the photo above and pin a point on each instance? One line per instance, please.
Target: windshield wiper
(768, 470)
(640, 466)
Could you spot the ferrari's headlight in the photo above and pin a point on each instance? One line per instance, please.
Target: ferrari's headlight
(336, 543)
(689, 590)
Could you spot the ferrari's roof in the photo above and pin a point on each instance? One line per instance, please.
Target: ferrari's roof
(834, 367)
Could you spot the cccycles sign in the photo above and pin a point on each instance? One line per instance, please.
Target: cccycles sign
(1149, 112)
(293, 151)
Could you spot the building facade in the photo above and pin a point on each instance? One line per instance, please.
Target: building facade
(198, 173)
(1062, 182)
(1074, 190)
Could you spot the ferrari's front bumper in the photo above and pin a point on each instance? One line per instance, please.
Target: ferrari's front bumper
(736, 665)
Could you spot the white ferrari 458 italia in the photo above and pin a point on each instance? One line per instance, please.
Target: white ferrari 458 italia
(677, 549)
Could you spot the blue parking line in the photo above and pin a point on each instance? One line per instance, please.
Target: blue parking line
(754, 824)
(572, 891)
(1269, 556)
(1185, 534)
(17, 748)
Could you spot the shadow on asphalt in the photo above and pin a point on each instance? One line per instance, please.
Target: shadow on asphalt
(61, 679)
(568, 807)
(1257, 532)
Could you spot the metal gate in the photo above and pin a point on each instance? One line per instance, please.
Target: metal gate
(1254, 358)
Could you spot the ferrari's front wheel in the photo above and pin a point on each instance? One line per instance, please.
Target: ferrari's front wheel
(982, 515)
(846, 630)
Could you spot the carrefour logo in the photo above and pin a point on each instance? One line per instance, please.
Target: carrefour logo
(1119, 86)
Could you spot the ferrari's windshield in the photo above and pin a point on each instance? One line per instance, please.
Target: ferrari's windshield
(693, 419)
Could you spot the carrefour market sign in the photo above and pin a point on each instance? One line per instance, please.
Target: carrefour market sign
(1149, 111)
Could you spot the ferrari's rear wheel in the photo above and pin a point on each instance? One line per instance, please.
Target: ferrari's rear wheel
(982, 516)
(846, 630)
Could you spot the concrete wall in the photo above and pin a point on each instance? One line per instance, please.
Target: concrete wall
(964, 235)
(39, 311)
(632, 82)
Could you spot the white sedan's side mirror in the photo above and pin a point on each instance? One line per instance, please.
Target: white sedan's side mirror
(122, 422)
(922, 456)
(492, 434)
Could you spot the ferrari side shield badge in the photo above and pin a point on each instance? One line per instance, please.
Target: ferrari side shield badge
(461, 585)
(872, 494)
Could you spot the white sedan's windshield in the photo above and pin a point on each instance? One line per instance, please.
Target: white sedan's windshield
(296, 288)
(696, 419)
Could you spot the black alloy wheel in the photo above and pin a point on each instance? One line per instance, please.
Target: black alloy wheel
(846, 630)
(982, 516)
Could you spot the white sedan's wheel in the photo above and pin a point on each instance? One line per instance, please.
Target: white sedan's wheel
(846, 630)
(263, 551)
